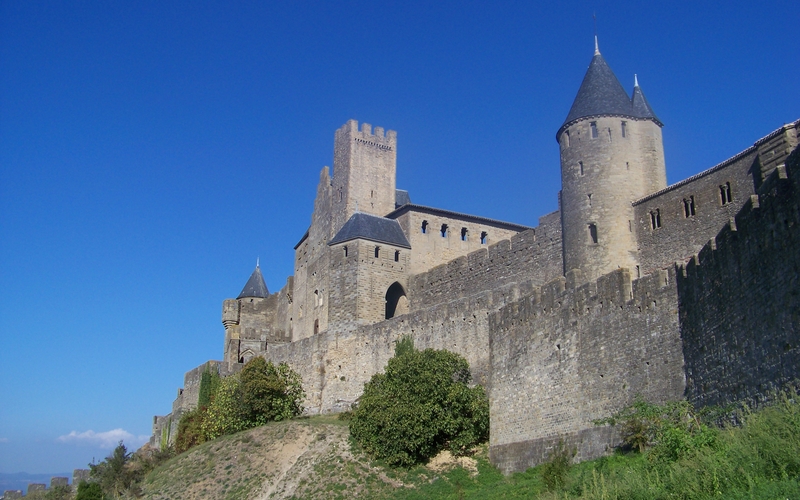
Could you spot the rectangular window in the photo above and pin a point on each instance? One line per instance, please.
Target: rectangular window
(444, 231)
(593, 233)
(463, 234)
(593, 125)
(397, 255)
(377, 252)
(424, 227)
(484, 236)
(688, 207)
(624, 129)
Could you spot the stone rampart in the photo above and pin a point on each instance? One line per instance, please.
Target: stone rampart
(335, 365)
(532, 256)
(740, 299)
(563, 357)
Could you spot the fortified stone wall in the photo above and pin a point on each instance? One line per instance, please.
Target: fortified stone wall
(532, 256)
(462, 234)
(740, 299)
(690, 212)
(561, 358)
(335, 365)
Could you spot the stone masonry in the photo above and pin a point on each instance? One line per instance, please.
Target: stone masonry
(631, 287)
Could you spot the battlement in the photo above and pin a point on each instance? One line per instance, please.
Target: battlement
(370, 137)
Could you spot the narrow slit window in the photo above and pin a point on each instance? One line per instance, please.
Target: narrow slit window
(589, 199)
(566, 139)
(397, 255)
(424, 227)
(624, 129)
(463, 234)
(345, 250)
(627, 165)
(593, 233)
(444, 230)
(580, 164)
(593, 125)
(484, 236)
(609, 134)
(377, 252)
(725, 193)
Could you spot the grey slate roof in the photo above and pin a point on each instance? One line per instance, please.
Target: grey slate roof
(255, 286)
(641, 107)
(372, 228)
(602, 94)
(456, 215)
(401, 198)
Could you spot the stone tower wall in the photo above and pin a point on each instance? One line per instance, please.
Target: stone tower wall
(312, 260)
(600, 176)
(364, 172)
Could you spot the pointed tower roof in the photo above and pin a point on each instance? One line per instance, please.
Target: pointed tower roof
(601, 94)
(255, 286)
(641, 108)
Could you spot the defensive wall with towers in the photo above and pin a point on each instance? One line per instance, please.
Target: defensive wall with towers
(631, 287)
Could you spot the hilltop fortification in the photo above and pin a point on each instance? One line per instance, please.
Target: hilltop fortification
(631, 287)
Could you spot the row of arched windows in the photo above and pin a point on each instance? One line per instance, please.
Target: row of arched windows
(444, 232)
(689, 206)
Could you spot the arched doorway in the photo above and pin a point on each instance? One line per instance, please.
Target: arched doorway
(396, 301)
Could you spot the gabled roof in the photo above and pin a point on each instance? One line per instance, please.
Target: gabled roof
(255, 286)
(373, 228)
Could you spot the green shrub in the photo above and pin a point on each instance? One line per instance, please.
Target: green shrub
(224, 414)
(554, 471)
(269, 392)
(190, 430)
(422, 405)
(89, 491)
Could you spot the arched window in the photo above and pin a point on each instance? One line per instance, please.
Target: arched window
(396, 301)
(424, 227)
(444, 230)
(464, 234)
(484, 237)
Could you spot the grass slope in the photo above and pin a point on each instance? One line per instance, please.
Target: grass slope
(312, 459)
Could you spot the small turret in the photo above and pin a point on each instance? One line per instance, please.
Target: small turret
(611, 154)
(255, 286)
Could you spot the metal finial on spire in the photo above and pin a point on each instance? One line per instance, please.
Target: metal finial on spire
(257, 259)
(596, 47)
(635, 80)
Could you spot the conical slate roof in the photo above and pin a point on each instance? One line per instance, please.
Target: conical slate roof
(372, 228)
(601, 94)
(255, 286)
(641, 108)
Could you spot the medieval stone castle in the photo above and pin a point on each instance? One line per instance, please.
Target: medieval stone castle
(630, 287)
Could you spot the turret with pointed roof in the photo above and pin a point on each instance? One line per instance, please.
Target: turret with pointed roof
(255, 286)
(601, 94)
(611, 154)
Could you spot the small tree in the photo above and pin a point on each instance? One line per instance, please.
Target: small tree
(112, 473)
(269, 392)
(422, 404)
(89, 491)
(224, 415)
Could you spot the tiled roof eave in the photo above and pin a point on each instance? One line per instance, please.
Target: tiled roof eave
(367, 238)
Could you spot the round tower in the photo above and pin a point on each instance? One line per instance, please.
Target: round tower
(611, 154)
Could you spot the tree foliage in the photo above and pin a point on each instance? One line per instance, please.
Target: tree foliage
(112, 474)
(89, 491)
(420, 406)
(224, 415)
(269, 392)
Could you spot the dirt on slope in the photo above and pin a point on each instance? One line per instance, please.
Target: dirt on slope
(307, 458)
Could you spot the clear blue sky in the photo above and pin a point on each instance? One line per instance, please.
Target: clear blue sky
(151, 151)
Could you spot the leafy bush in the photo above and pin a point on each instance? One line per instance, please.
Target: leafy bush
(269, 393)
(89, 491)
(670, 431)
(224, 414)
(420, 406)
(190, 430)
